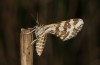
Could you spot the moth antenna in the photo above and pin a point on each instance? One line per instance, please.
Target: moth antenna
(36, 18)
(33, 18)
(37, 21)
(34, 28)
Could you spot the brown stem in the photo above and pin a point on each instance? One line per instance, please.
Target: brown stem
(25, 42)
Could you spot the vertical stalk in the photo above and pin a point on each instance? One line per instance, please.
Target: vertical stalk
(25, 42)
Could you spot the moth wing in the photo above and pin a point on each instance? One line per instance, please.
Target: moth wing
(65, 29)
(74, 28)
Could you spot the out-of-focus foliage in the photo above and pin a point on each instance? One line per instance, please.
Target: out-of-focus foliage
(84, 49)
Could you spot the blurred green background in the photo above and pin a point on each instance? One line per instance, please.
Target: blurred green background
(84, 49)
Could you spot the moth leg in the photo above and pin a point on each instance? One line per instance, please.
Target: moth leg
(34, 28)
(30, 46)
(32, 43)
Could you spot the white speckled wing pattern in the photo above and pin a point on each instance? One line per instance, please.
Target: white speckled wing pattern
(65, 30)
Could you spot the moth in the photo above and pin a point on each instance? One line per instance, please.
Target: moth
(64, 30)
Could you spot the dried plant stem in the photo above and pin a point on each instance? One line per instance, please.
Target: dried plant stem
(25, 42)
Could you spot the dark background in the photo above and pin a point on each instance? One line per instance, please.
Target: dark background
(84, 49)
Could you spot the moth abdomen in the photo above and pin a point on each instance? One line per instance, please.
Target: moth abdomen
(40, 44)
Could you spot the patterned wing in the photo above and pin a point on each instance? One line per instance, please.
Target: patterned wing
(66, 29)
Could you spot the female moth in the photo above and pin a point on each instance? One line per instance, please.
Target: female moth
(65, 30)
